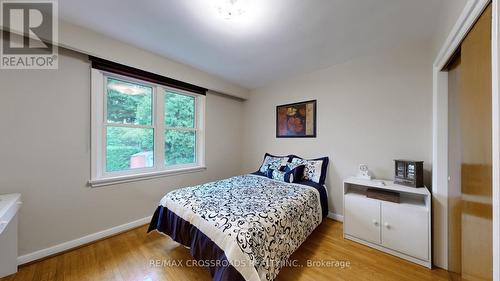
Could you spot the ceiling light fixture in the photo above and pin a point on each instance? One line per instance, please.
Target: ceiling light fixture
(238, 18)
(230, 9)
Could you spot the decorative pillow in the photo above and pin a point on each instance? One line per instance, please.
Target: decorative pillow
(280, 175)
(314, 170)
(272, 162)
(297, 170)
(288, 173)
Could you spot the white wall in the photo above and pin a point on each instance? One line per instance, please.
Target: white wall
(93, 43)
(44, 153)
(370, 110)
(448, 16)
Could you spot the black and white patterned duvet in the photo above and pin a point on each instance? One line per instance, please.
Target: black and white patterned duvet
(257, 221)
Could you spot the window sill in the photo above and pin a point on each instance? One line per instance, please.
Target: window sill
(143, 176)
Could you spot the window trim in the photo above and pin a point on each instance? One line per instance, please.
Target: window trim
(99, 175)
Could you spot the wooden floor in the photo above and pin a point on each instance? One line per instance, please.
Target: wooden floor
(128, 256)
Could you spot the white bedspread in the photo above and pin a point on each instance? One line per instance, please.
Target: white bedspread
(258, 222)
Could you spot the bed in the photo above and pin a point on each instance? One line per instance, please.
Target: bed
(244, 227)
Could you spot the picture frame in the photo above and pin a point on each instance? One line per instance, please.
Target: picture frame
(296, 120)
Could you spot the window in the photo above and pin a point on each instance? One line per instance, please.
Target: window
(180, 133)
(143, 130)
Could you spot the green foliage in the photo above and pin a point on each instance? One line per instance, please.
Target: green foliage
(122, 143)
(128, 103)
(179, 147)
(179, 110)
(118, 157)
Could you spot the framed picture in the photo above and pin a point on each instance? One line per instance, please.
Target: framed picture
(296, 120)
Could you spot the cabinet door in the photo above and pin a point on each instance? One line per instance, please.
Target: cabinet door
(405, 229)
(362, 218)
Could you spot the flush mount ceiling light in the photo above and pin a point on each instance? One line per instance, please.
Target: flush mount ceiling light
(235, 17)
(230, 9)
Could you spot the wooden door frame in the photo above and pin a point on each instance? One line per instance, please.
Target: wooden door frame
(471, 12)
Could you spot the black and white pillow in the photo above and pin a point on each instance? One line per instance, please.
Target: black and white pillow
(314, 169)
(288, 173)
(272, 162)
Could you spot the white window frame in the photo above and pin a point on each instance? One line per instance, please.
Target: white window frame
(99, 175)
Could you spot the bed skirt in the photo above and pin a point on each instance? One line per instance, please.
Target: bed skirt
(200, 246)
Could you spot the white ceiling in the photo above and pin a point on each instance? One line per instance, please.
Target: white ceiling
(274, 39)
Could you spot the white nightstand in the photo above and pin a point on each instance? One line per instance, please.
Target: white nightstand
(9, 205)
(401, 229)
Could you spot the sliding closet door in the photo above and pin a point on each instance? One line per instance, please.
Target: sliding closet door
(470, 209)
(454, 171)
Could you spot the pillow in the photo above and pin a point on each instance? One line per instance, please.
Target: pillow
(288, 173)
(297, 170)
(273, 162)
(314, 170)
(280, 175)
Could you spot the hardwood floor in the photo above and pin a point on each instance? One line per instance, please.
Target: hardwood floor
(128, 256)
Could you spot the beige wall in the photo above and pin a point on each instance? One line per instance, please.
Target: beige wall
(44, 152)
(370, 110)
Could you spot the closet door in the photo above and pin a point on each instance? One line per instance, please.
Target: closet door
(476, 134)
(454, 172)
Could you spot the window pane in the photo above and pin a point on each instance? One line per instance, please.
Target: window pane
(128, 103)
(179, 110)
(128, 148)
(180, 147)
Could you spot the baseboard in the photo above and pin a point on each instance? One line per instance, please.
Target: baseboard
(81, 241)
(100, 235)
(336, 217)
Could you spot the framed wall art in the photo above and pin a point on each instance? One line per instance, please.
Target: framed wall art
(296, 120)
